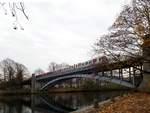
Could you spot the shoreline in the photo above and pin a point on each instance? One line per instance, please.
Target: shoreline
(92, 109)
(111, 105)
(88, 108)
(28, 92)
(86, 90)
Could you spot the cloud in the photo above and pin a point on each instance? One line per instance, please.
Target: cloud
(57, 30)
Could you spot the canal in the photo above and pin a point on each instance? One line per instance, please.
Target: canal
(52, 103)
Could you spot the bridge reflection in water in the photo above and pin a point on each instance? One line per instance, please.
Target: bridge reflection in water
(52, 103)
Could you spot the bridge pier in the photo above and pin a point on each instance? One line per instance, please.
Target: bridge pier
(145, 85)
(129, 73)
(133, 78)
(32, 103)
(120, 74)
(111, 73)
(33, 84)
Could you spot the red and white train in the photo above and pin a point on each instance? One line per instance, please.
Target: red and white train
(97, 60)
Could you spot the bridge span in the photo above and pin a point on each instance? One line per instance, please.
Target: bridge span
(113, 72)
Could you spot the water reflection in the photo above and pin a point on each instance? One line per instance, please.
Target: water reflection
(52, 103)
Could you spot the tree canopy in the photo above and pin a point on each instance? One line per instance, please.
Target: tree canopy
(11, 70)
(126, 34)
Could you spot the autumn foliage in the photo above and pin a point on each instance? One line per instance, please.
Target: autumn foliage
(125, 36)
(132, 103)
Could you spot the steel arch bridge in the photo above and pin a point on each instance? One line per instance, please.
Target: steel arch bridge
(97, 72)
(102, 78)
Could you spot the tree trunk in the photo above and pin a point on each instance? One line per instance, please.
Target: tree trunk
(145, 85)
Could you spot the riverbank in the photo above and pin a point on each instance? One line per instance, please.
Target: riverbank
(15, 92)
(71, 90)
(112, 87)
(135, 102)
(92, 109)
(28, 92)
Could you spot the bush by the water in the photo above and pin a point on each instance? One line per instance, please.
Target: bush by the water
(90, 84)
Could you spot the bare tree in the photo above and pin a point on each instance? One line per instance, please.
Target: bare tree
(54, 66)
(7, 66)
(21, 72)
(130, 35)
(12, 70)
(14, 8)
(127, 32)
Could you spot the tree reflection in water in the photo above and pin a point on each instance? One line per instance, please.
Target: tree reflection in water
(52, 103)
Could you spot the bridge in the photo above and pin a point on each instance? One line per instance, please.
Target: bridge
(127, 73)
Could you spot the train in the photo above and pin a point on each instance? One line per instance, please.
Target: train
(98, 60)
(94, 61)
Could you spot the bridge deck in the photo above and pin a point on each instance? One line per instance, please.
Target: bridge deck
(90, 69)
(95, 68)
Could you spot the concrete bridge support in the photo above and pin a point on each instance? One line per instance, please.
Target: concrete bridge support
(145, 85)
(33, 103)
(33, 84)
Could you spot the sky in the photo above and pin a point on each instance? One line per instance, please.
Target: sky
(61, 31)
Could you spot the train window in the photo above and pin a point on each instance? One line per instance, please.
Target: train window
(104, 59)
(90, 62)
(100, 59)
(86, 63)
(74, 66)
(94, 60)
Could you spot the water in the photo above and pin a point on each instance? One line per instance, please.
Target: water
(52, 103)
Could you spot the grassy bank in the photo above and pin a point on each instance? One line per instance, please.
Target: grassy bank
(15, 92)
(112, 87)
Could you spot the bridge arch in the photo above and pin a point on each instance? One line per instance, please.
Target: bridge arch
(108, 79)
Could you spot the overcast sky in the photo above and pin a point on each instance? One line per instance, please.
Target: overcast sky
(57, 30)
